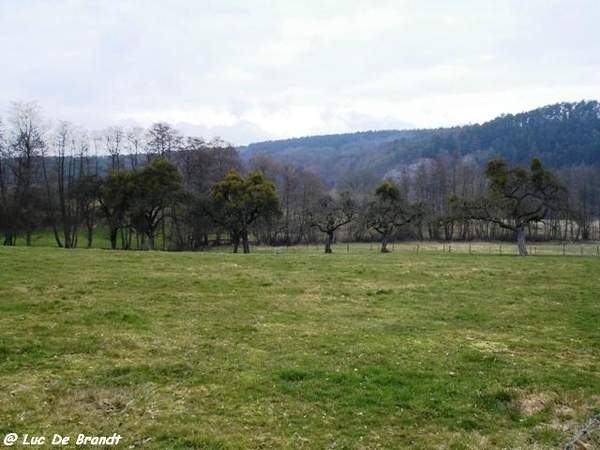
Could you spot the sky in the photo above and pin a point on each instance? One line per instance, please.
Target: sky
(255, 70)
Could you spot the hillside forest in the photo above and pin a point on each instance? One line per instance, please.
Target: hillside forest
(534, 175)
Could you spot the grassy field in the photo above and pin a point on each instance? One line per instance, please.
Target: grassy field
(355, 350)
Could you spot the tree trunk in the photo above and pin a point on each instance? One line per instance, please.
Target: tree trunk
(151, 239)
(67, 233)
(126, 236)
(57, 237)
(90, 236)
(328, 242)
(236, 242)
(384, 243)
(113, 238)
(10, 239)
(245, 241)
(521, 240)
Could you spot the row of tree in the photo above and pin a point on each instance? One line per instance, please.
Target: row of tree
(156, 187)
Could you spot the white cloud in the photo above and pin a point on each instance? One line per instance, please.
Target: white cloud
(205, 116)
(258, 69)
(360, 26)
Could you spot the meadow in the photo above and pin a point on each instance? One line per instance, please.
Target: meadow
(299, 350)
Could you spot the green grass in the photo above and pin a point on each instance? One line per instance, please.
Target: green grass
(45, 238)
(303, 350)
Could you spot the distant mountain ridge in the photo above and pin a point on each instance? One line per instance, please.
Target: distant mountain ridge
(327, 140)
(563, 134)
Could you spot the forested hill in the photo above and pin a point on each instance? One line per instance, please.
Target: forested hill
(340, 141)
(563, 134)
(333, 156)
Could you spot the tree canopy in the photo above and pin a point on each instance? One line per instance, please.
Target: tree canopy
(238, 203)
(388, 210)
(156, 189)
(518, 196)
(328, 213)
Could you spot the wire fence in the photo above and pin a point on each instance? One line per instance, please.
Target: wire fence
(427, 247)
(506, 248)
(588, 438)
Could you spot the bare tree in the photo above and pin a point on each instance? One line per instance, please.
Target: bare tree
(293, 223)
(86, 185)
(294, 187)
(163, 140)
(76, 206)
(4, 181)
(388, 210)
(269, 227)
(136, 145)
(311, 186)
(52, 180)
(114, 140)
(25, 149)
(226, 156)
(64, 170)
(331, 212)
(584, 191)
(202, 165)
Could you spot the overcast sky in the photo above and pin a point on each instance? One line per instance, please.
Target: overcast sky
(256, 70)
